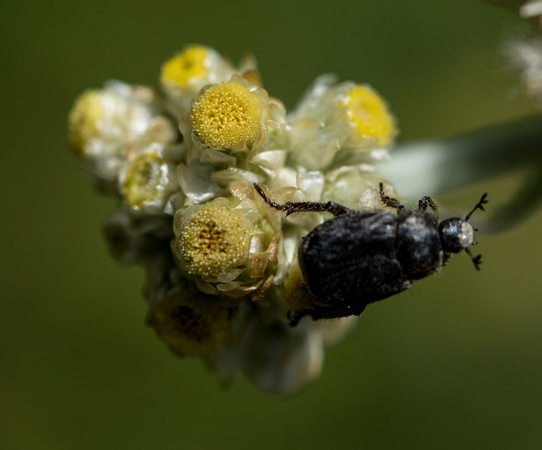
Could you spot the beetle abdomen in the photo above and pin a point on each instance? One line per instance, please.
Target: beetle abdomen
(353, 261)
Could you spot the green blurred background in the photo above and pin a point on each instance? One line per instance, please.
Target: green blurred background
(456, 362)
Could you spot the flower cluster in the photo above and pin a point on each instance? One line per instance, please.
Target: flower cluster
(222, 278)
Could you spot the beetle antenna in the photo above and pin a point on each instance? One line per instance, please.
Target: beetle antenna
(479, 205)
(269, 201)
(476, 260)
(295, 207)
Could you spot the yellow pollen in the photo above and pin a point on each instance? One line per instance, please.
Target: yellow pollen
(186, 66)
(216, 239)
(83, 120)
(226, 114)
(370, 114)
(143, 180)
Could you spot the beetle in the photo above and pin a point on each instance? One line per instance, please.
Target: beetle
(361, 256)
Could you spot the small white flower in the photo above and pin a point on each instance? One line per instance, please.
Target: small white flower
(148, 179)
(339, 124)
(184, 75)
(191, 323)
(228, 247)
(104, 123)
(231, 115)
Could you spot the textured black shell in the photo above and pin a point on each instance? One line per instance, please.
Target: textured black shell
(360, 257)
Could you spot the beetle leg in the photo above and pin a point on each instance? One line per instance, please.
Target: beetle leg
(295, 207)
(427, 202)
(390, 201)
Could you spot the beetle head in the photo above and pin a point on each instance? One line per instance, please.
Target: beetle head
(457, 234)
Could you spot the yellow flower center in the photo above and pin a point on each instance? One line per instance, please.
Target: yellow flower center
(186, 66)
(216, 239)
(143, 180)
(226, 114)
(83, 120)
(370, 114)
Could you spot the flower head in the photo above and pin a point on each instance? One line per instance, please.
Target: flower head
(339, 124)
(148, 181)
(228, 247)
(84, 120)
(188, 66)
(368, 111)
(192, 324)
(229, 114)
(104, 124)
(214, 240)
(184, 75)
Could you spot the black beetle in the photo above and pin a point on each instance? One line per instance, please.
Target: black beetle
(362, 256)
